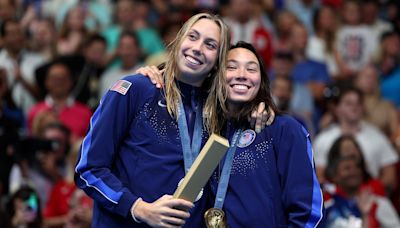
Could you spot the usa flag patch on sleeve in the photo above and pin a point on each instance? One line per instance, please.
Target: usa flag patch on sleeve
(121, 86)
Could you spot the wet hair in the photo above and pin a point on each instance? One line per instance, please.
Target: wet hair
(335, 157)
(214, 120)
(217, 73)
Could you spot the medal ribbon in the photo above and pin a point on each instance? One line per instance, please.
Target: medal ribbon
(190, 150)
(226, 171)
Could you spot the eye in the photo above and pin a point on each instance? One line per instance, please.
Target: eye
(192, 36)
(211, 46)
(252, 70)
(231, 67)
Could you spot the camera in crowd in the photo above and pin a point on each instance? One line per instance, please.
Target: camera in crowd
(29, 147)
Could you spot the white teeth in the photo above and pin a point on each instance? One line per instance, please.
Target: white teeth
(240, 87)
(192, 60)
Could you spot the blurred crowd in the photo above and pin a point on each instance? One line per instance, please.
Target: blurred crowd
(334, 65)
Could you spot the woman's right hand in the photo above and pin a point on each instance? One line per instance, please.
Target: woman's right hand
(163, 212)
(155, 75)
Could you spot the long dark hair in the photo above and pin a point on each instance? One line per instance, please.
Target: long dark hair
(263, 95)
(335, 157)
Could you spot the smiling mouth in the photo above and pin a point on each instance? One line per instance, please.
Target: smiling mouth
(240, 87)
(193, 60)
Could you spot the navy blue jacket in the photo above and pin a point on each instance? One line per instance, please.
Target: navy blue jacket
(132, 150)
(273, 181)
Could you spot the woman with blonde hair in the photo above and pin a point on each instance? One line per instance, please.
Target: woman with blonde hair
(142, 140)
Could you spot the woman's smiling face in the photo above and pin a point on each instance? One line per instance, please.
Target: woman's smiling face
(199, 52)
(243, 76)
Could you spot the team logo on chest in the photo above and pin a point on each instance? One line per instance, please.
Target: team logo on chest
(246, 138)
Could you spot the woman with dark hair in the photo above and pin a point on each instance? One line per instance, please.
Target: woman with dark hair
(354, 199)
(346, 147)
(321, 45)
(267, 179)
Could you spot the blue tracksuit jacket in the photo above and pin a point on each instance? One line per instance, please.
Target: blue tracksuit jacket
(131, 150)
(273, 181)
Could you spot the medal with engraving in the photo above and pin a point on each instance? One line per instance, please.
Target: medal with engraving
(215, 217)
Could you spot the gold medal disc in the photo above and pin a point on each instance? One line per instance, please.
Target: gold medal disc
(215, 218)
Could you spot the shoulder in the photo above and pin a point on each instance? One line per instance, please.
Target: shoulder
(285, 124)
(136, 83)
(285, 121)
(371, 130)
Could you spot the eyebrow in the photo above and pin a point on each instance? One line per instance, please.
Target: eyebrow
(198, 33)
(247, 63)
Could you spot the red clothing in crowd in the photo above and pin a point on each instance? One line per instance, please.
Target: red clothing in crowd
(75, 115)
(62, 199)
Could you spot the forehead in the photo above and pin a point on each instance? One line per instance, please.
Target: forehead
(207, 28)
(57, 69)
(350, 95)
(242, 55)
(348, 145)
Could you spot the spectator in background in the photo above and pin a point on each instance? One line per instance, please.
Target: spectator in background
(97, 14)
(357, 200)
(59, 84)
(379, 154)
(43, 39)
(128, 52)
(392, 8)
(377, 111)
(12, 123)
(284, 23)
(19, 65)
(24, 209)
(312, 74)
(355, 42)
(85, 68)
(72, 32)
(289, 95)
(306, 71)
(370, 17)
(246, 25)
(304, 11)
(67, 204)
(40, 161)
(321, 45)
(86, 82)
(389, 68)
(125, 11)
(282, 94)
(8, 11)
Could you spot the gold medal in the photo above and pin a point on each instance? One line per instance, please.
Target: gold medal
(215, 218)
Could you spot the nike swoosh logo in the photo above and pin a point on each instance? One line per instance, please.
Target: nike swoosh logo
(161, 104)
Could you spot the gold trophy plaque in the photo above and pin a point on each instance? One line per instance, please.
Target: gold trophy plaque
(202, 168)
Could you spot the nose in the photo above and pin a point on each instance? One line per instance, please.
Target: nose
(197, 47)
(241, 74)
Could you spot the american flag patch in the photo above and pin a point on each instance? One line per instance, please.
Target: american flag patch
(121, 86)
